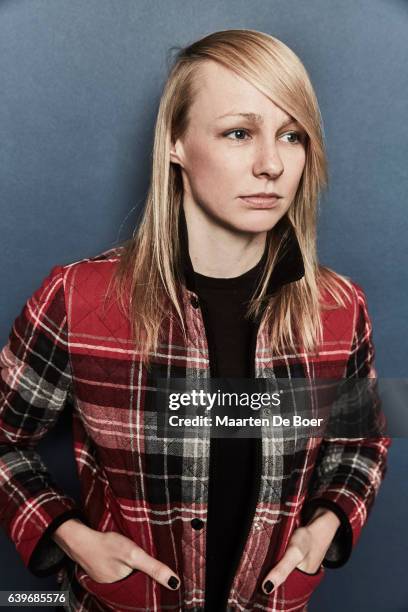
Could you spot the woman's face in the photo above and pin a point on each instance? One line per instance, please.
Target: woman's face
(225, 156)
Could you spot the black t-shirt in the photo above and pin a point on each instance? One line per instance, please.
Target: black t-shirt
(234, 470)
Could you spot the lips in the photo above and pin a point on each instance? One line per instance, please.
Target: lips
(262, 194)
(262, 201)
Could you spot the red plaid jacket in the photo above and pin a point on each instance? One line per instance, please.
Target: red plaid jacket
(66, 349)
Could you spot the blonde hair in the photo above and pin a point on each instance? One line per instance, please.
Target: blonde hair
(147, 277)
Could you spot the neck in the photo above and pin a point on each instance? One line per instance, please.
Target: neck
(218, 251)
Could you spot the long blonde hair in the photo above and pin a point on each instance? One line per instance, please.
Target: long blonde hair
(147, 277)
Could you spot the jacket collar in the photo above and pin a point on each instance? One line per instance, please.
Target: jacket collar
(289, 266)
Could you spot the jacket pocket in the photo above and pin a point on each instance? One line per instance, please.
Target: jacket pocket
(299, 586)
(133, 592)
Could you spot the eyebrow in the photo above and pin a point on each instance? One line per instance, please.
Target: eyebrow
(255, 118)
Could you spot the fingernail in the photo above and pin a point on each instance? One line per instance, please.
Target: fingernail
(268, 586)
(173, 582)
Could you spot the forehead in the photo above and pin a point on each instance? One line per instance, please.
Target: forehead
(220, 91)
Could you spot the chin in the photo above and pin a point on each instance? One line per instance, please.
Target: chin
(257, 221)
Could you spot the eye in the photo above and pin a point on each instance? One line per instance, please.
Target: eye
(237, 131)
(298, 136)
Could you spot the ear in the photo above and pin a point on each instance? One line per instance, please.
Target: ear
(177, 153)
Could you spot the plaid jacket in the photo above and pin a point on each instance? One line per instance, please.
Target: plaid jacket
(65, 349)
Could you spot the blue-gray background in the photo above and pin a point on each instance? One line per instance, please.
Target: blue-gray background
(79, 88)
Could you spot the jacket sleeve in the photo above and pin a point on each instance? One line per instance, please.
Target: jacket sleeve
(349, 472)
(34, 384)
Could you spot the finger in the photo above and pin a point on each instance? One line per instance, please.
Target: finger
(154, 568)
(282, 569)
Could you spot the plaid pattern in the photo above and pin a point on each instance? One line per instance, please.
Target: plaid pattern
(66, 346)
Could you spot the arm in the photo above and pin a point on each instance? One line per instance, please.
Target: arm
(349, 472)
(34, 384)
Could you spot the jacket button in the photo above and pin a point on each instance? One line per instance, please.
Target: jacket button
(197, 523)
(194, 302)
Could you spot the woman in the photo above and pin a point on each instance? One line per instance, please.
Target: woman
(217, 281)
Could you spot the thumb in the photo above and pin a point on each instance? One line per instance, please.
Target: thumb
(282, 569)
(157, 570)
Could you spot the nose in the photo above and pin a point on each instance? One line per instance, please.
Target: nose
(268, 161)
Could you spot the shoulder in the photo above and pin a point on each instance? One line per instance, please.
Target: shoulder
(85, 286)
(94, 271)
(343, 304)
(335, 288)
(102, 261)
(85, 280)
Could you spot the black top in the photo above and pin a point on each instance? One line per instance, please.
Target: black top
(234, 469)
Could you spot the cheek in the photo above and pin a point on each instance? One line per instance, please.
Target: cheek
(294, 169)
(210, 171)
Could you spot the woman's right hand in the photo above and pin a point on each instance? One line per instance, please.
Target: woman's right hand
(109, 556)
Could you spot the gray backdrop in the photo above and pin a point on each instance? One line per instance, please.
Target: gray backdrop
(79, 86)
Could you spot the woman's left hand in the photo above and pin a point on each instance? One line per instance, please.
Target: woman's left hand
(306, 549)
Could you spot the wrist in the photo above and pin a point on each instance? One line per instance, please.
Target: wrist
(70, 535)
(323, 524)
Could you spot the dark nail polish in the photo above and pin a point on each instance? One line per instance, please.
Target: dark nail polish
(173, 582)
(268, 586)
